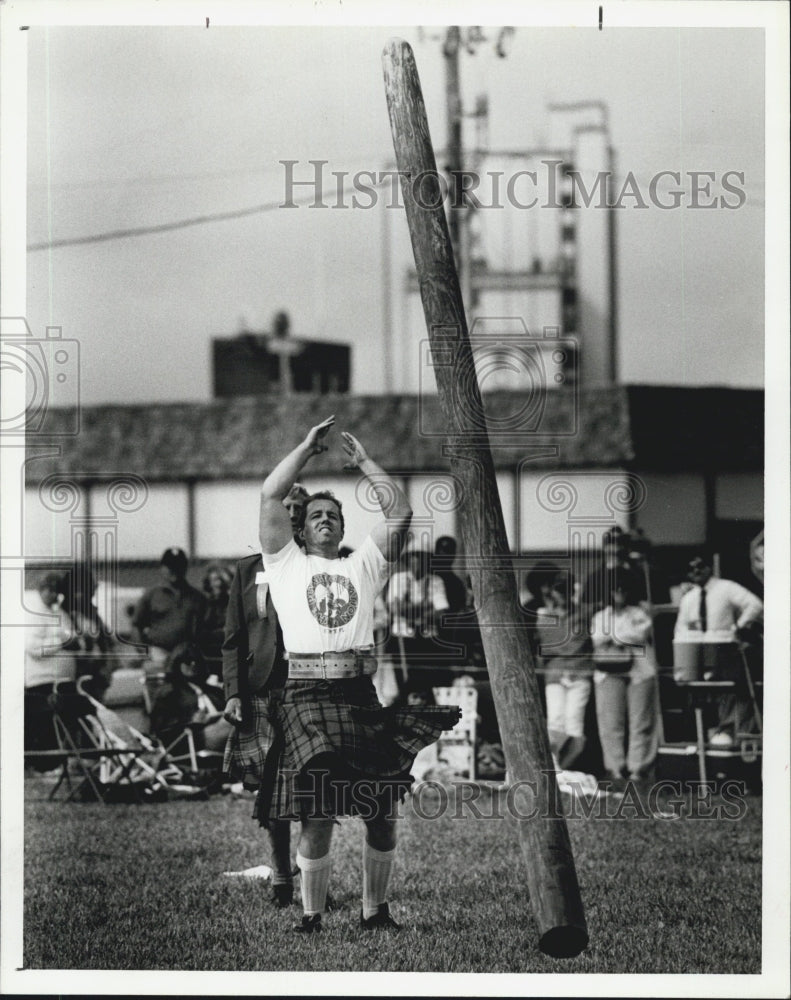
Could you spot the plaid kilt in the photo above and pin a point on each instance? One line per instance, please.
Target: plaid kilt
(247, 745)
(336, 731)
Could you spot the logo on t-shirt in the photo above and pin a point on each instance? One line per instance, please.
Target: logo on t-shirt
(332, 600)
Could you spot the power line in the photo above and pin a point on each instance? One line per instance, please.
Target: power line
(166, 227)
(239, 213)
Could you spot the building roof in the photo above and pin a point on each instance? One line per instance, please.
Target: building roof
(642, 427)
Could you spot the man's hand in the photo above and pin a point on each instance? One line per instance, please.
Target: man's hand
(233, 711)
(747, 635)
(355, 453)
(274, 526)
(317, 434)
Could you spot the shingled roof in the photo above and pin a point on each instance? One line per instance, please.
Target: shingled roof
(643, 427)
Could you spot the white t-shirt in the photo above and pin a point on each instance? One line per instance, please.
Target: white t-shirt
(325, 605)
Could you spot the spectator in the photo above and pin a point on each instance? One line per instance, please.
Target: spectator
(565, 654)
(614, 556)
(406, 596)
(90, 640)
(625, 683)
(417, 599)
(178, 701)
(168, 617)
(181, 700)
(50, 669)
(455, 621)
(442, 566)
(719, 614)
(253, 664)
(651, 583)
(538, 585)
(216, 586)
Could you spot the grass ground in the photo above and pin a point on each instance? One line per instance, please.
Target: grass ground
(141, 887)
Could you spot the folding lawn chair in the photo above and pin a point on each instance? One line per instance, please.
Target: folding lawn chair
(54, 724)
(114, 759)
(182, 715)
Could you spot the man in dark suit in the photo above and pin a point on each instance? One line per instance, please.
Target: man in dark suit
(253, 664)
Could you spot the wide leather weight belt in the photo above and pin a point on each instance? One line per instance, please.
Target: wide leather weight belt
(330, 666)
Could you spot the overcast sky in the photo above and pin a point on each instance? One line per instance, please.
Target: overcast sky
(139, 126)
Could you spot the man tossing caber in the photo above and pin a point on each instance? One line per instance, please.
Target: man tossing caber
(338, 752)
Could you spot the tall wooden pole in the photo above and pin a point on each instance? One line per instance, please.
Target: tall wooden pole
(543, 834)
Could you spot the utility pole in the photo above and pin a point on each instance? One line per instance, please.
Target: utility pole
(458, 213)
(455, 155)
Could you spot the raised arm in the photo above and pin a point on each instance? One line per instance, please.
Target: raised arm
(274, 525)
(390, 535)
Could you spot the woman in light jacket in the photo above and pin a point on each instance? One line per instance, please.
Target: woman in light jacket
(625, 682)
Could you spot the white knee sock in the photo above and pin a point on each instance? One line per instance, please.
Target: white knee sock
(377, 866)
(315, 879)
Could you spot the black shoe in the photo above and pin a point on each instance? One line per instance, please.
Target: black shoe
(309, 924)
(381, 918)
(282, 895)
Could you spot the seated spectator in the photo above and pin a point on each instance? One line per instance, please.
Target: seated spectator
(182, 698)
(565, 654)
(50, 670)
(168, 616)
(179, 703)
(91, 642)
(625, 683)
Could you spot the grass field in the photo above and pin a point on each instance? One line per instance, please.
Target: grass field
(141, 887)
